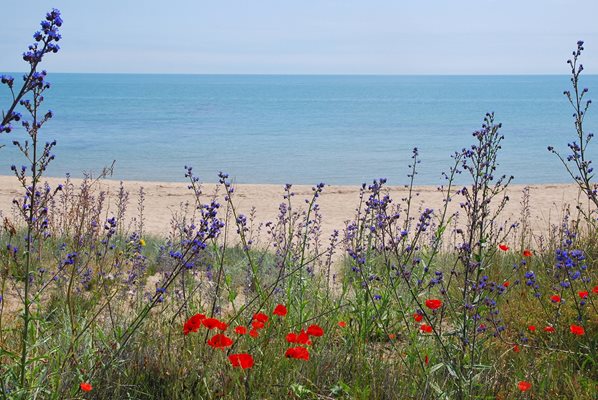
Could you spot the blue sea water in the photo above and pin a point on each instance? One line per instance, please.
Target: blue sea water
(299, 129)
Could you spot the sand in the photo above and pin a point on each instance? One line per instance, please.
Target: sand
(337, 203)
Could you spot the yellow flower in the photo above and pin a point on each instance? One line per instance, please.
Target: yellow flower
(142, 242)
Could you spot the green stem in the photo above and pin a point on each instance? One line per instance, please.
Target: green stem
(30, 227)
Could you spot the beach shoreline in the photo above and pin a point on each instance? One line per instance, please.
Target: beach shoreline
(337, 203)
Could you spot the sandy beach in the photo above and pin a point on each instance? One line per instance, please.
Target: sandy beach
(337, 203)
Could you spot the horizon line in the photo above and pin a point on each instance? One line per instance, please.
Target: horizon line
(303, 74)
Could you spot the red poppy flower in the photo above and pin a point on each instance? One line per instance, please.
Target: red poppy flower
(527, 253)
(291, 337)
(506, 284)
(198, 317)
(260, 317)
(253, 333)
(301, 338)
(211, 323)
(220, 341)
(242, 360)
(425, 328)
(241, 330)
(315, 330)
(280, 310)
(426, 360)
(433, 304)
(583, 295)
(577, 330)
(86, 387)
(531, 328)
(555, 298)
(299, 353)
(549, 329)
(222, 326)
(257, 324)
(193, 324)
(418, 317)
(524, 386)
(595, 289)
(392, 336)
(342, 324)
(187, 329)
(516, 348)
(503, 247)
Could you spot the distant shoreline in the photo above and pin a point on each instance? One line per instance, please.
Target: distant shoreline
(299, 75)
(337, 202)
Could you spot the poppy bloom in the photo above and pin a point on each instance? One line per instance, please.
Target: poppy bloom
(577, 330)
(342, 324)
(242, 360)
(212, 323)
(555, 298)
(301, 338)
(418, 317)
(433, 304)
(193, 324)
(299, 353)
(506, 284)
(187, 329)
(527, 253)
(531, 328)
(516, 348)
(315, 330)
(583, 295)
(86, 387)
(549, 329)
(241, 330)
(426, 360)
(220, 341)
(280, 310)
(503, 247)
(524, 386)
(257, 324)
(392, 336)
(425, 328)
(222, 326)
(595, 289)
(260, 317)
(291, 337)
(254, 333)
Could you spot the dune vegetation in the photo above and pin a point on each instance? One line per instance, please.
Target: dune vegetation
(403, 302)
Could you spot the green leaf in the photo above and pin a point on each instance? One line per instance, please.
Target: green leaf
(436, 367)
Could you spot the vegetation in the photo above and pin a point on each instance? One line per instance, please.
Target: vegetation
(402, 303)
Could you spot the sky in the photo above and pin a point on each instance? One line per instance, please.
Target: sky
(307, 36)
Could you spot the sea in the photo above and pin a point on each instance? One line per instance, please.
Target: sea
(300, 129)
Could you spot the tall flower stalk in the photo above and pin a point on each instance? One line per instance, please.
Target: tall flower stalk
(34, 206)
(577, 163)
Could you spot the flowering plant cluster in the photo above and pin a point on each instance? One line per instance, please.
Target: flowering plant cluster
(258, 323)
(45, 42)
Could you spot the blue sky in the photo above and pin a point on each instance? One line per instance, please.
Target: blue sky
(308, 36)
